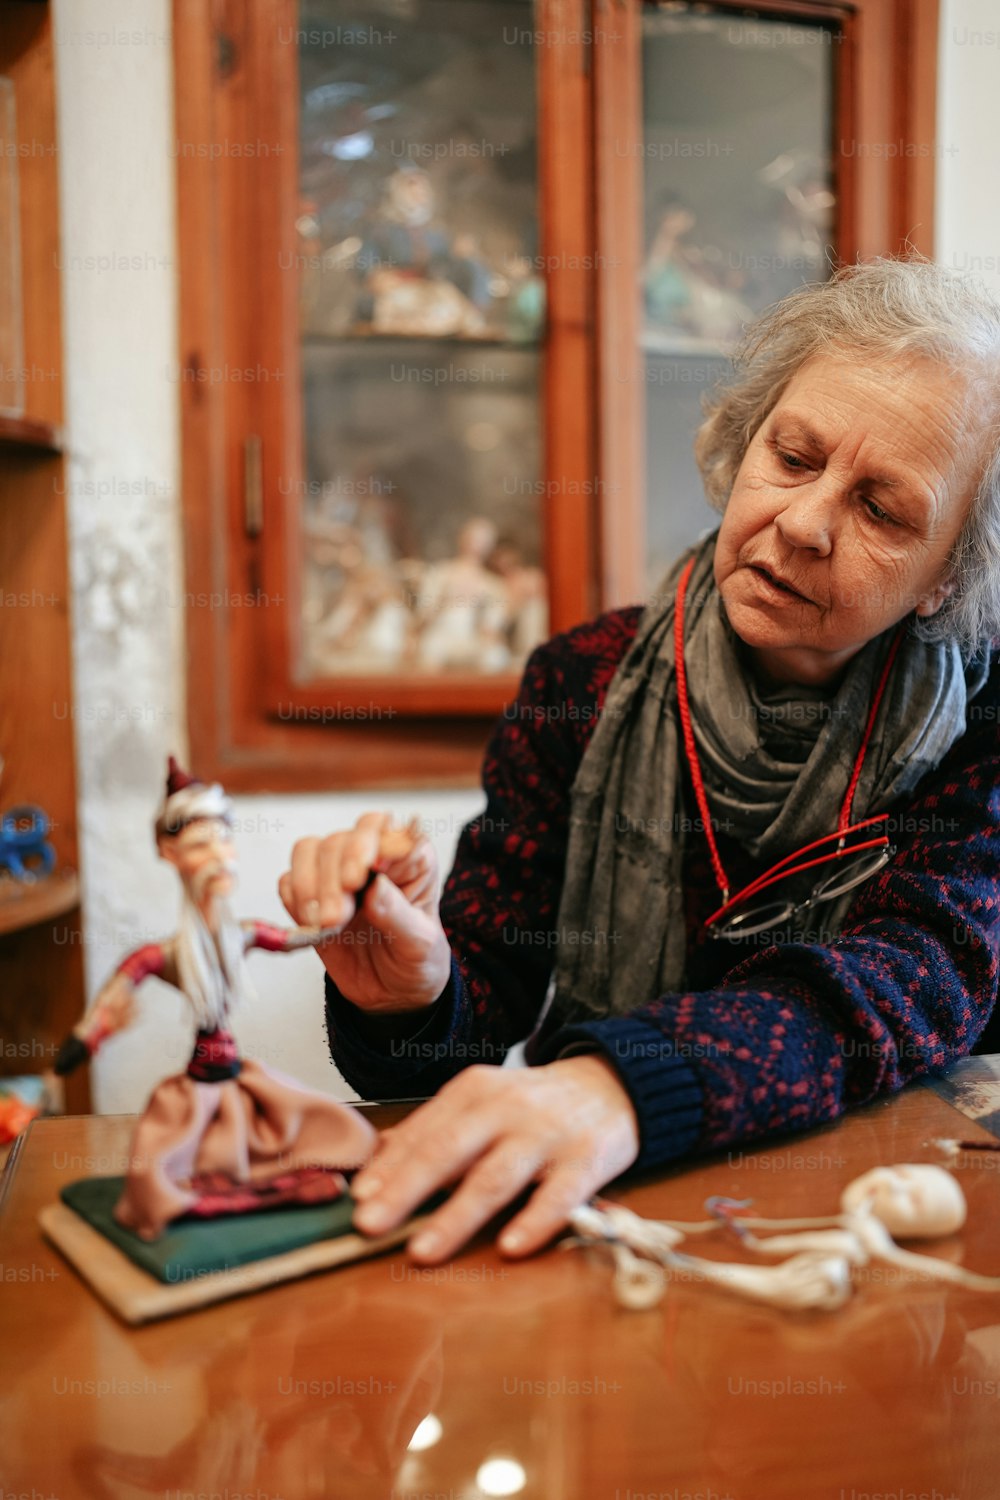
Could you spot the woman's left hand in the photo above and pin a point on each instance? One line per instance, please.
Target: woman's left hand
(569, 1126)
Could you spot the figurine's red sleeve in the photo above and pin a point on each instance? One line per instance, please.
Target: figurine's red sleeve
(263, 935)
(144, 961)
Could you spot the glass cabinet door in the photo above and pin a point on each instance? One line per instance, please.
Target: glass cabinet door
(489, 259)
(739, 208)
(419, 521)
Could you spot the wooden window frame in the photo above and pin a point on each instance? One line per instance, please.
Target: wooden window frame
(236, 88)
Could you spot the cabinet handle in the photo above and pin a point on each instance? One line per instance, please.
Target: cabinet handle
(253, 488)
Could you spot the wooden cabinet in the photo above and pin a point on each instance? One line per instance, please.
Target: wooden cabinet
(453, 278)
(41, 950)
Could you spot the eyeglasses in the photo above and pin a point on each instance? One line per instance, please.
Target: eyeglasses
(861, 851)
(854, 860)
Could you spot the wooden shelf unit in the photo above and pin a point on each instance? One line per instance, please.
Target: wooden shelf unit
(26, 432)
(41, 963)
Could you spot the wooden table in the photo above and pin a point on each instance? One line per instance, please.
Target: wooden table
(317, 1388)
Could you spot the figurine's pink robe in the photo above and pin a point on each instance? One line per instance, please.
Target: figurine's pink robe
(251, 1128)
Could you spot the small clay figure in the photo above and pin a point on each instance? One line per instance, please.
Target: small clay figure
(686, 284)
(228, 1135)
(463, 610)
(527, 598)
(418, 281)
(914, 1200)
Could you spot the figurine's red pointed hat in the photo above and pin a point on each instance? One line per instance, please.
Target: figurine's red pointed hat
(187, 799)
(178, 778)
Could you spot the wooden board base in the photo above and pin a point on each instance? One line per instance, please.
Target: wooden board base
(138, 1297)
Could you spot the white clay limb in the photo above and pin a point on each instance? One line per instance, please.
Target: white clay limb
(639, 1284)
(810, 1280)
(745, 1221)
(914, 1200)
(830, 1241)
(612, 1222)
(881, 1246)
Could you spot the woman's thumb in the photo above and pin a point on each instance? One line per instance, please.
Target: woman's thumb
(388, 909)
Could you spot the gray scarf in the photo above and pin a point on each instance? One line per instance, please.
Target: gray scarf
(776, 770)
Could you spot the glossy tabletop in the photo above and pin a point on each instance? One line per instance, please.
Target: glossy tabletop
(487, 1377)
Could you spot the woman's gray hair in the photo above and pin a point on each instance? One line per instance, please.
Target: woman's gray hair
(879, 310)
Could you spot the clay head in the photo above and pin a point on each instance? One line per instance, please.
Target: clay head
(204, 857)
(194, 833)
(411, 196)
(477, 538)
(912, 1201)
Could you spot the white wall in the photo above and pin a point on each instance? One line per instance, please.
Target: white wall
(117, 184)
(120, 313)
(967, 227)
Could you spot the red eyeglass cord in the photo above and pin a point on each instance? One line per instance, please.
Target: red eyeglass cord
(844, 821)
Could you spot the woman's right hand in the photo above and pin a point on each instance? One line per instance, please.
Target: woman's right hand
(392, 954)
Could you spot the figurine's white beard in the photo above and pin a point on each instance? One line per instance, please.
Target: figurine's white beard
(211, 970)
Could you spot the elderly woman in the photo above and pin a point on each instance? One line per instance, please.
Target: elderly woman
(750, 832)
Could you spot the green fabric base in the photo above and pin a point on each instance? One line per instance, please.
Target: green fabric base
(194, 1247)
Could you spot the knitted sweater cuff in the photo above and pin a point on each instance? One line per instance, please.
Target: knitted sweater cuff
(370, 1040)
(664, 1089)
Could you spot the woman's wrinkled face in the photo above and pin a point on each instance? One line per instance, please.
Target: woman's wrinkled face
(844, 511)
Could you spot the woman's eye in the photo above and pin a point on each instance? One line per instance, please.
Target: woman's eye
(791, 462)
(875, 511)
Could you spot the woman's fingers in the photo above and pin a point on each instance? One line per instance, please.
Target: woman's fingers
(495, 1179)
(549, 1209)
(474, 1128)
(571, 1126)
(301, 885)
(313, 889)
(430, 1149)
(361, 848)
(344, 863)
(416, 873)
(335, 909)
(287, 896)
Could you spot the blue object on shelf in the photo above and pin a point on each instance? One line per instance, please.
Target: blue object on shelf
(24, 846)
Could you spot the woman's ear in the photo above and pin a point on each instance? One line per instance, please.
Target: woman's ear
(932, 602)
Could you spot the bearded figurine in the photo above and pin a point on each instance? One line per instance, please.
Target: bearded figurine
(228, 1135)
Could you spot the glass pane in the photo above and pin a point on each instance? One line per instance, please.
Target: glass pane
(739, 210)
(422, 318)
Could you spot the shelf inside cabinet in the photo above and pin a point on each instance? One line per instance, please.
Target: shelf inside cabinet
(26, 432)
(448, 341)
(24, 904)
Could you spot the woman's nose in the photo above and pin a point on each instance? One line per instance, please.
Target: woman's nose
(807, 519)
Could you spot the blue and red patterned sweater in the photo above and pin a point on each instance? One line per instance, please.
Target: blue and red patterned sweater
(786, 1038)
